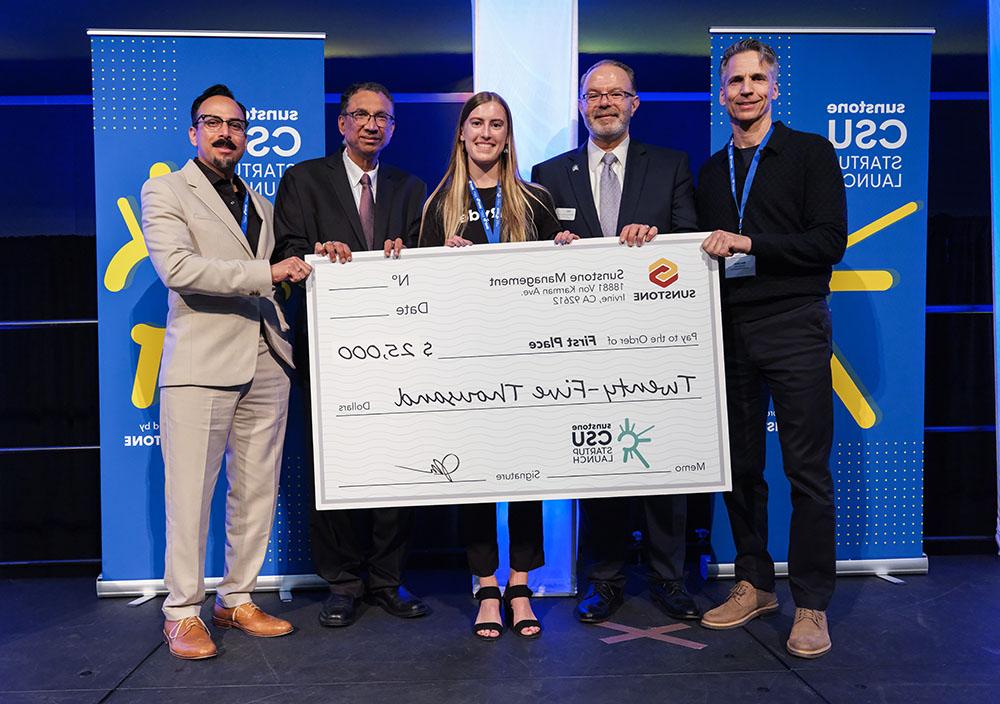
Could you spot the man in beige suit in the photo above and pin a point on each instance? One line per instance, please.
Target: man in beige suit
(224, 373)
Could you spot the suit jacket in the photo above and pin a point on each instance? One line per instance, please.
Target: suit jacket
(315, 204)
(219, 292)
(657, 190)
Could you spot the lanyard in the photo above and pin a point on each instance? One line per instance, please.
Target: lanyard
(492, 233)
(741, 205)
(246, 210)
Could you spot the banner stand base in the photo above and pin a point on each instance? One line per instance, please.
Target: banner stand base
(845, 568)
(154, 587)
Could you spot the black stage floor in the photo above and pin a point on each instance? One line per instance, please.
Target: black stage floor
(934, 639)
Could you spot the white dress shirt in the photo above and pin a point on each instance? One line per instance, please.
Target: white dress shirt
(594, 156)
(354, 174)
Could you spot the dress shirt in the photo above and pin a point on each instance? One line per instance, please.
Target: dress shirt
(232, 194)
(354, 174)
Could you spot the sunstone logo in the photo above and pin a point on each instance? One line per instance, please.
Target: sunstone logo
(663, 273)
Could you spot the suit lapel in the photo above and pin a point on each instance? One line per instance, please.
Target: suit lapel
(579, 178)
(338, 176)
(207, 194)
(636, 165)
(385, 189)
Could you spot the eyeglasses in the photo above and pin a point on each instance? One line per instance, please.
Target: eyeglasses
(363, 116)
(213, 123)
(615, 96)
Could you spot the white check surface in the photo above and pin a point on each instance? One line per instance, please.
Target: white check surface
(517, 372)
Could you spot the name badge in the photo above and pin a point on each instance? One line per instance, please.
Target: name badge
(740, 265)
(566, 213)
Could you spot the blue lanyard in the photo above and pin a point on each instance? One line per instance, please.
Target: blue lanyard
(492, 233)
(246, 210)
(741, 205)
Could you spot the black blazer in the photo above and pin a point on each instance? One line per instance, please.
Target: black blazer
(657, 190)
(315, 204)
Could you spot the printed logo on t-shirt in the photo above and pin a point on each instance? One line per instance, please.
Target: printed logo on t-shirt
(473, 215)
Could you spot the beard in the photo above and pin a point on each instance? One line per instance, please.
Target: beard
(224, 163)
(221, 162)
(608, 130)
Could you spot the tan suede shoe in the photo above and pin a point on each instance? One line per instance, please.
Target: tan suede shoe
(810, 636)
(251, 620)
(188, 639)
(745, 603)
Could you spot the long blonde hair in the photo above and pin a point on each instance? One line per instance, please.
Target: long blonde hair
(517, 224)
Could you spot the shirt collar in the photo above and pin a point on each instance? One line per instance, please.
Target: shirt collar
(595, 154)
(216, 179)
(355, 172)
(778, 137)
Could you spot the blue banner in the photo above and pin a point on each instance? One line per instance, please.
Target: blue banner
(868, 92)
(144, 84)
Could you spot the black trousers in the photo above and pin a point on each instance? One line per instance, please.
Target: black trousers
(785, 357)
(478, 526)
(606, 537)
(349, 544)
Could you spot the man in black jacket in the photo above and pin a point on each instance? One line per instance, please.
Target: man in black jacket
(613, 186)
(775, 200)
(345, 202)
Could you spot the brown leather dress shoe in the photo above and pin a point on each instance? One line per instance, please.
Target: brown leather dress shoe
(188, 639)
(251, 620)
(744, 604)
(810, 636)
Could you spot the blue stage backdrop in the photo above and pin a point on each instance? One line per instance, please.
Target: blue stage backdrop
(144, 83)
(868, 92)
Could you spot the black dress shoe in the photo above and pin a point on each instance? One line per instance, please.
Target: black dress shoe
(339, 610)
(599, 603)
(399, 602)
(674, 600)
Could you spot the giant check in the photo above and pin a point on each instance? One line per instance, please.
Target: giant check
(516, 372)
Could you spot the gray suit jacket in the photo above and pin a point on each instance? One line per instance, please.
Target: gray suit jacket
(219, 291)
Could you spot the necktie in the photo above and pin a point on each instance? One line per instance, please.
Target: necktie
(611, 196)
(366, 210)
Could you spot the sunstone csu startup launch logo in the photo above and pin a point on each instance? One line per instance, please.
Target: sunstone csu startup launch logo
(594, 442)
(662, 274)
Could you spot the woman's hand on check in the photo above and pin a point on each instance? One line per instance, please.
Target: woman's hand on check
(392, 248)
(457, 241)
(565, 237)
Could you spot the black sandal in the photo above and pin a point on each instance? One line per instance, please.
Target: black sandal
(480, 629)
(517, 591)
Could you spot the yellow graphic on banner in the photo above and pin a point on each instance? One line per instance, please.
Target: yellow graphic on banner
(150, 341)
(119, 272)
(117, 277)
(846, 384)
(882, 223)
(861, 281)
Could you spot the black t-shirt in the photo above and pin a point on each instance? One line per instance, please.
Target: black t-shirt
(542, 214)
(741, 162)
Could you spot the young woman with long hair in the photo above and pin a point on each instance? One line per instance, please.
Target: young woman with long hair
(482, 199)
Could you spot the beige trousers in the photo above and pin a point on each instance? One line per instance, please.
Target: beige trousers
(198, 424)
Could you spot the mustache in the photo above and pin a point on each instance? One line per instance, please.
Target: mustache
(224, 142)
(606, 112)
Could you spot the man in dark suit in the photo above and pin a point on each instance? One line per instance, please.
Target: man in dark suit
(615, 187)
(344, 202)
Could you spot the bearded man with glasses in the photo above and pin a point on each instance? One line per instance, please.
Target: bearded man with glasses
(224, 375)
(614, 186)
(346, 202)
